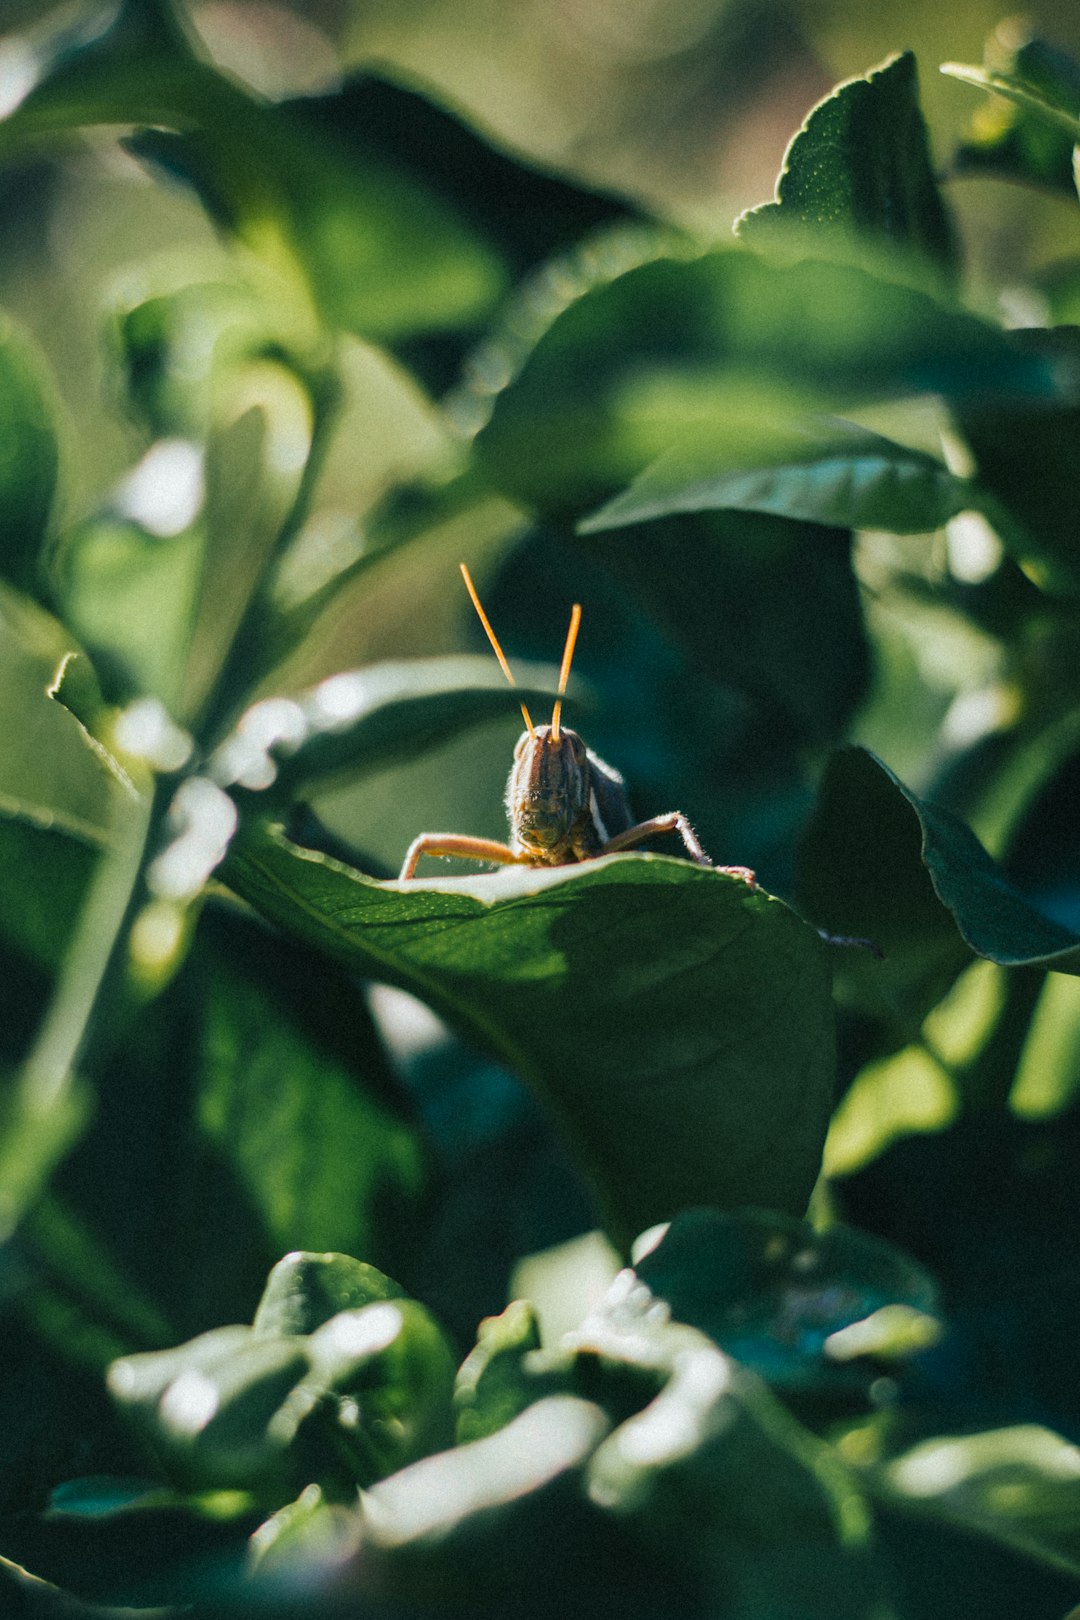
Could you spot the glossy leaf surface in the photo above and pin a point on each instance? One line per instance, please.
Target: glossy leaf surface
(676, 1076)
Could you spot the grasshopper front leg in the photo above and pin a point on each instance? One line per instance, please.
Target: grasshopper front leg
(674, 821)
(460, 844)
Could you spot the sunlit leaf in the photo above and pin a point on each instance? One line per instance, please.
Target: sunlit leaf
(1019, 138)
(365, 719)
(860, 167)
(697, 1068)
(654, 357)
(1020, 1486)
(859, 480)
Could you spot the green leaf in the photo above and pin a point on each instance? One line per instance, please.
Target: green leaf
(1023, 452)
(1018, 137)
(130, 1542)
(841, 475)
(29, 460)
(305, 1290)
(779, 1296)
(1040, 80)
(274, 1116)
(237, 1409)
(1019, 1486)
(365, 719)
(861, 167)
(661, 354)
(878, 861)
(676, 1021)
(714, 1466)
(379, 249)
(491, 1386)
(696, 572)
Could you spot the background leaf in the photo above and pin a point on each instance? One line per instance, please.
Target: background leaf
(861, 167)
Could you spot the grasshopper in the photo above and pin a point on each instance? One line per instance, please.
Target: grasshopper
(563, 802)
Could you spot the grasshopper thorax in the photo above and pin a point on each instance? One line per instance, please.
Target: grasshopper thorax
(547, 795)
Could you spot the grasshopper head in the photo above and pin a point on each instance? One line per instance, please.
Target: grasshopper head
(548, 790)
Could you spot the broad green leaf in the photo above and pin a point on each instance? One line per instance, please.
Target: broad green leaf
(858, 480)
(1018, 137)
(778, 1296)
(676, 1021)
(305, 1290)
(655, 357)
(29, 461)
(161, 594)
(861, 167)
(695, 573)
(365, 719)
(879, 861)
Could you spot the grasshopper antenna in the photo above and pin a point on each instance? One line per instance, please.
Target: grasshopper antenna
(500, 655)
(564, 671)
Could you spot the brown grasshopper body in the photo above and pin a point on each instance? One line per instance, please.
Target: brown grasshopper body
(564, 803)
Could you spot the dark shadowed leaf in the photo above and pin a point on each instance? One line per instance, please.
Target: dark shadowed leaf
(28, 461)
(879, 861)
(861, 167)
(676, 1021)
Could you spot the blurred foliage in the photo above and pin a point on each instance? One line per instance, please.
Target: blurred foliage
(301, 306)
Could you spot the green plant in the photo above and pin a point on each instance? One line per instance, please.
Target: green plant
(714, 446)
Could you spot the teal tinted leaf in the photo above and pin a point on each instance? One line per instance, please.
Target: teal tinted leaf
(491, 1386)
(1016, 138)
(917, 878)
(626, 1046)
(1019, 1486)
(131, 1542)
(305, 1290)
(659, 355)
(777, 1295)
(29, 461)
(859, 480)
(861, 167)
(365, 719)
